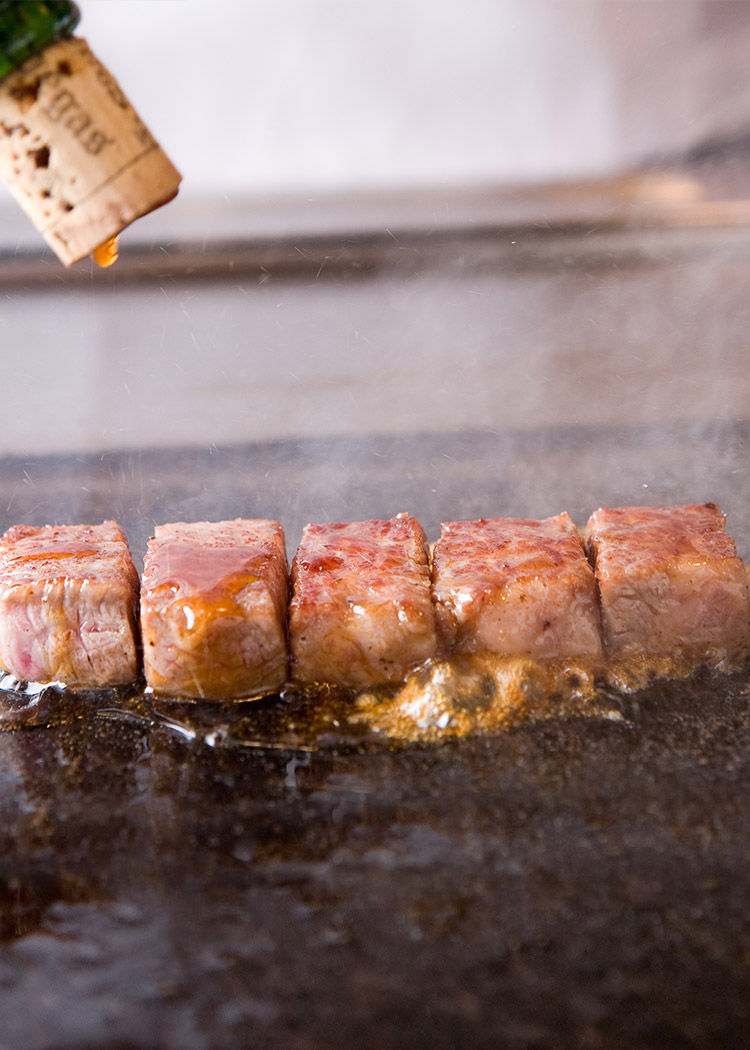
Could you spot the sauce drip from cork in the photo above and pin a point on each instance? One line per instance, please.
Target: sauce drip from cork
(106, 253)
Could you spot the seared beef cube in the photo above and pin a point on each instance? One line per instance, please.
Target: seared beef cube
(68, 605)
(213, 609)
(670, 583)
(361, 612)
(516, 587)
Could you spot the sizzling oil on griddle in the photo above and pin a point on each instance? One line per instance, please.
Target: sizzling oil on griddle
(444, 699)
(560, 883)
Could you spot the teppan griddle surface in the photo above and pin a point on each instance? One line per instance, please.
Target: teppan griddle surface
(572, 882)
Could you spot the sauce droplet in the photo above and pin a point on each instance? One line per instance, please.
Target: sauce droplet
(106, 253)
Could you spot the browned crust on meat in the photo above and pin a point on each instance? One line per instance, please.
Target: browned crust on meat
(671, 585)
(361, 613)
(68, 605)
(516, 587)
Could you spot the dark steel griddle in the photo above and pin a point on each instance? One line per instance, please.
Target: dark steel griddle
(569, 883)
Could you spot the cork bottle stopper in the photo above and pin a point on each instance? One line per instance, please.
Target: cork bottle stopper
(74, 152)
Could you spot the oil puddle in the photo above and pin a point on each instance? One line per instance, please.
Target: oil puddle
(27, 705)
(441, 700)
(292, 721)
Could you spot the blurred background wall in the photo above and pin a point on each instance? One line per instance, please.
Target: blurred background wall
(296, 98)
(398, 119)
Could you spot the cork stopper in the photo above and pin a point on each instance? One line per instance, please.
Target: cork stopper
(74, 152)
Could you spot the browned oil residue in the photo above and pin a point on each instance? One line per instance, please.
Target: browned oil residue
(477, 694)
(26, 893)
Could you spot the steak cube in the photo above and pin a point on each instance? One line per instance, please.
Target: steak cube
(516, 587)
(361, 612)
(213, 609)
(670, 583)
(68, 605)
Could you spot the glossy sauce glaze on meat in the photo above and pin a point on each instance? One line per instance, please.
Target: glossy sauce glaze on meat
(361, 612)
(516, 587)
(68, 605)
(670, 584)
(213, 609)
